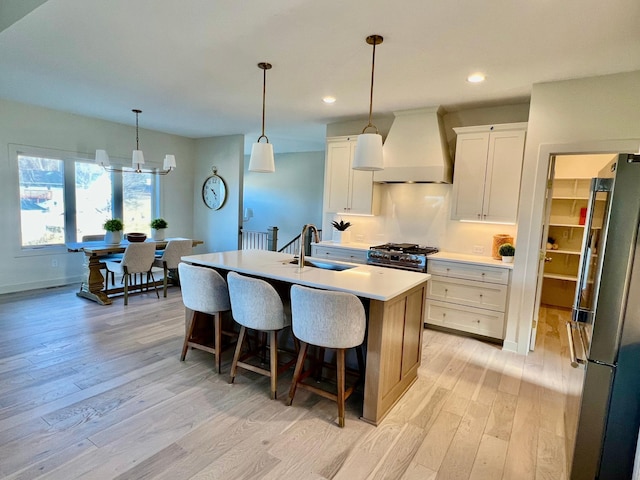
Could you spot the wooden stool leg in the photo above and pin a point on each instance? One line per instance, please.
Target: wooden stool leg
(319, 364)
(341, 375)
(236, 355)
(187, 337)
(217, 338)
(298, 370)
(273, 359)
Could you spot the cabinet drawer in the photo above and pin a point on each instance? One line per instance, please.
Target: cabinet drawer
(467, 319)
(339, 254)
(492, 296)
(468, 271)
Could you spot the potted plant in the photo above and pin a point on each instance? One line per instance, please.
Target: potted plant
(340, 233)
(158, 226)
(507, 251)
(113, 227)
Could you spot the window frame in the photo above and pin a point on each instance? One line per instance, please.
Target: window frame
(70, 224)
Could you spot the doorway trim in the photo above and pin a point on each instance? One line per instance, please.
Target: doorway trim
(530, 220)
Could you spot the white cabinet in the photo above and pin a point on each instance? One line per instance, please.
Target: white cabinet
(353, 255)
(346, 190)
(487, 171)
(467, 297)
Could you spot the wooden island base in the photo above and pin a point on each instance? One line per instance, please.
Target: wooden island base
(394, 350)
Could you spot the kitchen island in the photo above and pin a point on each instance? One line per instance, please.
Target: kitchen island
(393, 299)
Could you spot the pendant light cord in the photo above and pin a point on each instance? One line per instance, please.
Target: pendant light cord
(264, 66)
(137, 112)
(373, 66)
(372, 40)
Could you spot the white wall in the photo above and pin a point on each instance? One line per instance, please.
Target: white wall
(218, 228)
(39, 127)
(587, 115)
(288, 198)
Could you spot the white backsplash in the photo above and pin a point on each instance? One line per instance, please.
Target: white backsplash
(419, 213)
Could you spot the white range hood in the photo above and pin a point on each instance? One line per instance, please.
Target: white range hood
(416, 149)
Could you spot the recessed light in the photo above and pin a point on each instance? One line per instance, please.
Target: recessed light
(329, 99)
(476, 78)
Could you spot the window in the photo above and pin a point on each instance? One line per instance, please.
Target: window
(63, 198)
(41, 201)
(94, 191)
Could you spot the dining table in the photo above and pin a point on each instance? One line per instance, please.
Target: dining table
(93, 286)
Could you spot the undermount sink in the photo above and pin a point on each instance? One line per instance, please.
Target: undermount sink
(327, 266)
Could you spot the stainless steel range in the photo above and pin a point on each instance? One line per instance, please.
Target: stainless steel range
(406, 256)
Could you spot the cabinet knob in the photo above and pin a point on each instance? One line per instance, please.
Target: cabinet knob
(480, 295)
(477, 321)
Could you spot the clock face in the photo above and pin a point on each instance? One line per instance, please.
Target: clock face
(214, 192)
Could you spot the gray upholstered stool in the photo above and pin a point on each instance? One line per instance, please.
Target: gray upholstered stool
(326, 319)
(256, 305)
(204, 291)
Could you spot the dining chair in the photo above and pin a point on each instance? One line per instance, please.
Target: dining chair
(170, 258)
(256, 305)
(138, 258)
(204, 293)
(326, 319)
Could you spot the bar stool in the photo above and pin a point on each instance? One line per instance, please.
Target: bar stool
(326, 319)
(256, 305)
(204, 292)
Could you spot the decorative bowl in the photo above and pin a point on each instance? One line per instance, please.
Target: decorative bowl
(136, 237)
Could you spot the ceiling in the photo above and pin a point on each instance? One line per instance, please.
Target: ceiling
(191, 65)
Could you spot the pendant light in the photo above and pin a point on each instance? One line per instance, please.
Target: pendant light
(368, 154)
(262, 153)
(137, 159)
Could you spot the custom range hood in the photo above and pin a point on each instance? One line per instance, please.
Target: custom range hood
(416, 149)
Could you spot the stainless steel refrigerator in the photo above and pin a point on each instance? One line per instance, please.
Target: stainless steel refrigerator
(604, 334)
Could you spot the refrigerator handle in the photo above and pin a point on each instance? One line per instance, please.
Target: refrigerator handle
(578, 312)
(575, 360)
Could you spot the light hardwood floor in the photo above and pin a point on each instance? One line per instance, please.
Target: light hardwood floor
(98, 392)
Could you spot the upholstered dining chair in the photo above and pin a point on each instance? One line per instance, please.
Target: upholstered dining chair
(256, 305)
(204, 292)
(171, 255)
(138, 258)
(326, 319)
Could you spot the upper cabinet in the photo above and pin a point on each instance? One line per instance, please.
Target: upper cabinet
(487, 171)
(346, 190)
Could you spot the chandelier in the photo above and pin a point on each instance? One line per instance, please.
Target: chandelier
(137, 159)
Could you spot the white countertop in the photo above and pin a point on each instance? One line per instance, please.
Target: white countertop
(475, 259)
(366, 281)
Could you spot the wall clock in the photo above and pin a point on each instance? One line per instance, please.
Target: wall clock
(214, 191)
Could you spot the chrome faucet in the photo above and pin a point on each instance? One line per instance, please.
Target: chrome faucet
(313, 228)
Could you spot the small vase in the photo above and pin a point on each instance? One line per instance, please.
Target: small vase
(341, 236)
(113, 238)
(507, 259)
(157, 234)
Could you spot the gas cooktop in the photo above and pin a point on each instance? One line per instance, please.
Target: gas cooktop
(406, 256)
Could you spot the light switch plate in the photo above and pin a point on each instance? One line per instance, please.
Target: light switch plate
(478, 249)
